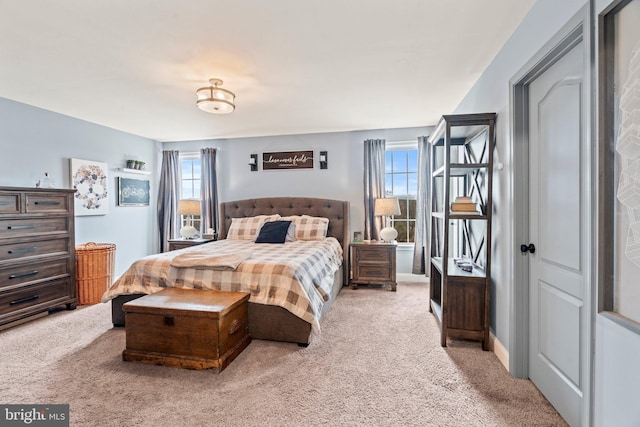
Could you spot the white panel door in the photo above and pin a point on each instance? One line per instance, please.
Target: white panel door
(557, 194)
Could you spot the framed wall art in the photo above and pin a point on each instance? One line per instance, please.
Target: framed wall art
(133, 192)
(90, 180)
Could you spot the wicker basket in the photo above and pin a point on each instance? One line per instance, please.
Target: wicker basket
(95, 265)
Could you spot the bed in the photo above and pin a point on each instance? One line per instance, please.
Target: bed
(268, 319)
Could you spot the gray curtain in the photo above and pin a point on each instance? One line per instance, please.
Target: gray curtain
(208, 190)
(423, 220)
(168, 193)
(374, 161)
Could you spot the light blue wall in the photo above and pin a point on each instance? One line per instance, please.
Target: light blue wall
(34, 141)
(343, 180)
(491, 94)
(616, 370)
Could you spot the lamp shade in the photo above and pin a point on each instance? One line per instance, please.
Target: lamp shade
(189, 207)
(214, 99)
(386, 207)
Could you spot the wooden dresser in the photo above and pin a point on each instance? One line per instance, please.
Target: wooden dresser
(37, 253)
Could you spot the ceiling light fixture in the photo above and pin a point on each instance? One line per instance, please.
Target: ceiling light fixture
(214, 99)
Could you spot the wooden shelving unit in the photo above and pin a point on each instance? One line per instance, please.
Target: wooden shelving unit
(461, 162)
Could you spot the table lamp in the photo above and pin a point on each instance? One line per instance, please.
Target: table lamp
(385, 208)
(188, 207)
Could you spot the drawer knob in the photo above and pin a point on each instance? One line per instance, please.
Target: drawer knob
(168, 321)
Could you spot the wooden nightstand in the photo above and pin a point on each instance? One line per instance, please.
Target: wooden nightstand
(373, 263)
(175, 244)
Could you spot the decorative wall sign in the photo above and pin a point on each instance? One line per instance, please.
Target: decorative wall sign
(133, 192)
(89, 179)
(288, 160)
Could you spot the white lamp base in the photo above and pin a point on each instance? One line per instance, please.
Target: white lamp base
(188, 232)
(388, 234)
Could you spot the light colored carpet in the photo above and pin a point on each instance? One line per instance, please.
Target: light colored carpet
(378, 362)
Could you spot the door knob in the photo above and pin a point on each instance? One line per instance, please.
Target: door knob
(528, 248)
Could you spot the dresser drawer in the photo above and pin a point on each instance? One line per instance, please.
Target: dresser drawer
(13, 251)
(9, 203)
(47, 203)
(35, 271)
(10, 228)
(375, 255)
(26, 298)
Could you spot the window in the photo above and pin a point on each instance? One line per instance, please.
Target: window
(401, 181)
(190, 184)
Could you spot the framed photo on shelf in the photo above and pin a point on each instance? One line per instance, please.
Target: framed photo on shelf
(133, 192)
(357, 236)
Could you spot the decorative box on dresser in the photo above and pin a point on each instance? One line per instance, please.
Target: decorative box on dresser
(373, 263)
(37, 253)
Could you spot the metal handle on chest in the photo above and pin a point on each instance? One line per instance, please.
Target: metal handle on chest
(234, 327)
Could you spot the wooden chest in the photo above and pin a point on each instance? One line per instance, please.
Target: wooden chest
(187, 328)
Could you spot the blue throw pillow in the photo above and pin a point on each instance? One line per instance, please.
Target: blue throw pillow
(273, 232)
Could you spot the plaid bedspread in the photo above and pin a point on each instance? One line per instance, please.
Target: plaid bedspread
(297, 276)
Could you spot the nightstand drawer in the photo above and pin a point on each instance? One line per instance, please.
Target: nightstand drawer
(373, 263)
(176, 244)
(374, 273)
(376, 255)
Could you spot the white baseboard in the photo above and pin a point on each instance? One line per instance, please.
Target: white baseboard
(408, 277)
(500, 351)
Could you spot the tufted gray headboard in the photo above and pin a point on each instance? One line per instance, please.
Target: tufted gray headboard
(337, 211)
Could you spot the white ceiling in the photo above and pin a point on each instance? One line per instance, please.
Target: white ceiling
(295, 66)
